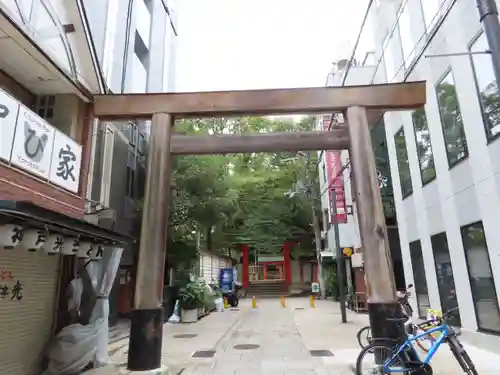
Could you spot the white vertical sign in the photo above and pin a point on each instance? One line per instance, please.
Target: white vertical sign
(33, 143)
(8, 116)
(66, 162)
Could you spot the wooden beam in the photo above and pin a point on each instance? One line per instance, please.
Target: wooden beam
(261, 102)
(335, 139)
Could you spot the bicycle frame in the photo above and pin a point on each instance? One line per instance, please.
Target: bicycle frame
(443, 328)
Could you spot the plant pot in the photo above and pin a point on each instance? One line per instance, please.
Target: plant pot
(201, 311)
(189, 315)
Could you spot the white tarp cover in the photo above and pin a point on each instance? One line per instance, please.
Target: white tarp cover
(76, 345)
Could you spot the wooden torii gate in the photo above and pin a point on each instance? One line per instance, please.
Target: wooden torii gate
(360, 105)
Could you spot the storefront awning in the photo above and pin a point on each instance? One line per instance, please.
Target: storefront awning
(31, 216)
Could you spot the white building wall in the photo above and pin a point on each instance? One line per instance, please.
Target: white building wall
(460, 195)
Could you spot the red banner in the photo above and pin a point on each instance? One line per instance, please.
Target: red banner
(334, 178)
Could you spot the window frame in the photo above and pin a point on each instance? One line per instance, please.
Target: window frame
(462, 229)
(404, 14)
(489, 136)
(447, 71)
(403, 195)
(418, 156)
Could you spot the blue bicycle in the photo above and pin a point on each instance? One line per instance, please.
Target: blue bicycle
(397, 356)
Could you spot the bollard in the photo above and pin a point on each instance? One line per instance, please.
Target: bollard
(254, 302)
(283, 302)
(312, 302)
(226, 303)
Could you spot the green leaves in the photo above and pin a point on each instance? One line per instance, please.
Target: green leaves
(223, 201)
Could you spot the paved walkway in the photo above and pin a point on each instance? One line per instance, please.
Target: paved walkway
(278, 341)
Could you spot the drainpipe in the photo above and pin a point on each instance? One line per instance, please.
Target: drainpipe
(488, 16)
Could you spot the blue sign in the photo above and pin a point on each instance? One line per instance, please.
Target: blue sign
(226, 279)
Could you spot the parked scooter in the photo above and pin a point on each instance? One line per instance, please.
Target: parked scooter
(233, 296)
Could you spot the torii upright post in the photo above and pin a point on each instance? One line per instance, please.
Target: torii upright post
(381, 289)
(147, 317)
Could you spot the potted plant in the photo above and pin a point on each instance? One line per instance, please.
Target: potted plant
(189, 301)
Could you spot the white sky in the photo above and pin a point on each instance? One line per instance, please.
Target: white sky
(251, 44)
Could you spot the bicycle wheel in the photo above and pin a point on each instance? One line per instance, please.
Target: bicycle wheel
(426, 342)
(364, 337)
(462, 356)
(380, 352)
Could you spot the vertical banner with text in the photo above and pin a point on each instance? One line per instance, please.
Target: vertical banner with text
(335, 181)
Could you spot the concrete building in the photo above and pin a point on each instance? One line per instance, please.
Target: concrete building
(135, 45)
(443, 157)
(48, 75)
(337, 189)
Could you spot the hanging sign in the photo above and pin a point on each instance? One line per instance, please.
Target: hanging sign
(54, 244)
(33, 239)
(9, 109)
(71, 246)
(11, 235)
(97, 252)
(85, 250)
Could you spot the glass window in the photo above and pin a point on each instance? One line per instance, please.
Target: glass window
(405, 32)
(451, 119)
(417, 265)
(143, 21)
(486, 86)
(139, 75)
(403, 163)
(431, 10)
(389, 58)
(424, 147)
(481, 278)
(444, 273)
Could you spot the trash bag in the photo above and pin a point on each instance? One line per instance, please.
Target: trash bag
(219, 304)
(175, 317)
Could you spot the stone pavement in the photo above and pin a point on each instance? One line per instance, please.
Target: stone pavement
(278, 341)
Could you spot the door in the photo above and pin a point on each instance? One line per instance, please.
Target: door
(28, 291)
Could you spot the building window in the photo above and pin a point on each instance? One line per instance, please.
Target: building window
(45, 106)
(407, 43)
(403, 163)
(131, 175)
(430, 9)
(451, 119)
(481, 278)
(424, 147)
(417, 265)
(487, 86)
(389, 58)
(444, 273)
(143, 23)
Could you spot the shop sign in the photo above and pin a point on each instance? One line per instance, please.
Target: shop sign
(66, 162)
(12, 291)
(33, 239)
(9, 109)
(315, 287)
(31, 143)
(32, 149)
(11, 235)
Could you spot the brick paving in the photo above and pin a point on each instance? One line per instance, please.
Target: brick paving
(275, 340)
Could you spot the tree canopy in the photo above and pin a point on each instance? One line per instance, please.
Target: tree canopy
(221, 201)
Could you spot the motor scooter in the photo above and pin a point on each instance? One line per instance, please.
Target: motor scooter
(233, 296)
